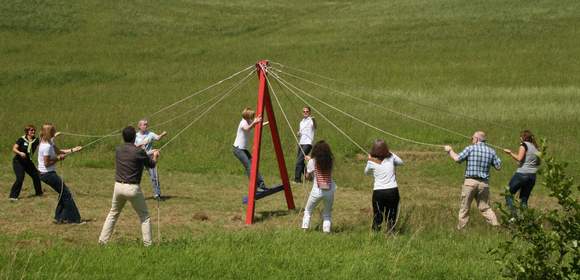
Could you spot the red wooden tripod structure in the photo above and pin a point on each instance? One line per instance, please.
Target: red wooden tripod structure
(265, 102)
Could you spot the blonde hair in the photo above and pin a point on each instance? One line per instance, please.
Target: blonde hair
(248, 113)
(47, 132)
(142, 121)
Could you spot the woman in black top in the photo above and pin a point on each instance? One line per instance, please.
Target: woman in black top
(22, 163)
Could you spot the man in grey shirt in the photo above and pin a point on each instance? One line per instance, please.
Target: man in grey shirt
(129, 163)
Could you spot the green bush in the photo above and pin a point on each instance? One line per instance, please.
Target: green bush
(543, 244)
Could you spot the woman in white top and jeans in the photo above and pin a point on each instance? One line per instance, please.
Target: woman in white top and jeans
(381, 164)
(319, 169)
(306, 134)
(243, 135)
(48, 155)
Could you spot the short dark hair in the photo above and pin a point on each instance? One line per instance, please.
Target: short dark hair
(129, 134)
(28, 128)
(380, 150)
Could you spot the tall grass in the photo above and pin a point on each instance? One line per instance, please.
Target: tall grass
(92, 67)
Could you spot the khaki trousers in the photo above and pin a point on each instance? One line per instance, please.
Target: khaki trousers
(122, 194)
(480, 191)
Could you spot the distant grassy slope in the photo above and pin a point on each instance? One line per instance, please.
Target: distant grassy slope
(93, 66)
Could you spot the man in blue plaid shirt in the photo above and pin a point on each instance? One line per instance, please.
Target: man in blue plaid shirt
(479, 159)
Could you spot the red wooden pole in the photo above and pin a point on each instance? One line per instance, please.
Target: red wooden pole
(279, 152)
(264, 101)
(262, 90)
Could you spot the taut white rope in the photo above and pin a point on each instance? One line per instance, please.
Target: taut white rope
(84, 135)
(376, 105)
(208, 109)
(201, 91)
(307, 72)
(320, 113)
(405, 99)
(358, 119)
(100, 139)
(284, 114)
(297, 142)
(188, 111)
(162, 109)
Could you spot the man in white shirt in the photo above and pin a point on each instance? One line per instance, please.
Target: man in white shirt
(144, 139)
(306, 135)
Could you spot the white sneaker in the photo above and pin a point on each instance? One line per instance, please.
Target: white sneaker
(326, 226)
(13, 199)
(306, 223)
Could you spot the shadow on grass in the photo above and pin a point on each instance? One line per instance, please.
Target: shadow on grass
(266, 215)
(168, 197)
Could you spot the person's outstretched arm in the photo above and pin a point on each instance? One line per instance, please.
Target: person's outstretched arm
(163, 134)
(496, 162)
(369, 170)
(67, 151)
(452, 153)
(251, 125)
(397, 160)
(520, 156)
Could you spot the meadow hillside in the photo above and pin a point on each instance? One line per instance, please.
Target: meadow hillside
(92, 67)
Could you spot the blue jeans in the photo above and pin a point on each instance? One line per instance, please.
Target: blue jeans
(155, 181)
(66, 209)
(300, 165)
(524, 183)
(246, 159)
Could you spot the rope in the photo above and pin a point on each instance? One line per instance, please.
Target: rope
(393, 111)
(358, 119)
(405, 99)
(84, 135)
(307, 72)
(194, 121)
(284, 114)
(186, 112)
(295, 138)
(376, 105)
(201, 91)
(208, 109)
(158, 218)
(321, 114)
(101, 137)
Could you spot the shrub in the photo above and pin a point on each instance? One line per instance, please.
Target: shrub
(543, 244)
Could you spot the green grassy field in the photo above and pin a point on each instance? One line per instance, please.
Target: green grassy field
(92, 67)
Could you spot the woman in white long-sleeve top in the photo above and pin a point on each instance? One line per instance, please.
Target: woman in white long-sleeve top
(381, 164)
